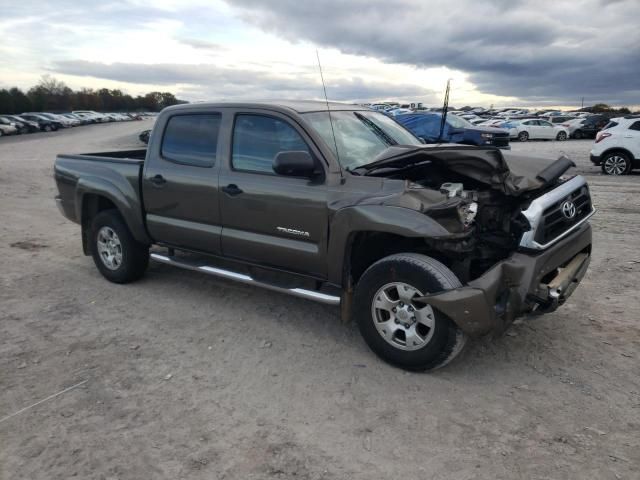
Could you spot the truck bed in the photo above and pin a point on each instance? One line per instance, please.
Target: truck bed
(138, 155)
(116, 176)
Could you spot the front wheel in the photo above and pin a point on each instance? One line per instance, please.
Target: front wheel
(562, 136)
(397, 327)
(578, 135)
(523, 136)
(118, 256)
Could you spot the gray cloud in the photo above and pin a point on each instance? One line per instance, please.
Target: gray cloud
(207, 81)
(542, 51)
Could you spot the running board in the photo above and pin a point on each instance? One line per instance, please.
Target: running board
(243, 278)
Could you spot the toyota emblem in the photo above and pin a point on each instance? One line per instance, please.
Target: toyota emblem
(569, 209)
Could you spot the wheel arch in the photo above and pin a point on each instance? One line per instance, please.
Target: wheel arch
(93, 198)
(361, 235)
(618, 150)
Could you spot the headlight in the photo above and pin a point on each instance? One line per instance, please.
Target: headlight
(467, 213)
(486, 135)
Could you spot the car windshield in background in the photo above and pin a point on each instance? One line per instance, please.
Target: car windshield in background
(360, 136)
(457, 122)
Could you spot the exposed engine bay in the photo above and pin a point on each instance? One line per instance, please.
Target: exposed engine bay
(480, 204)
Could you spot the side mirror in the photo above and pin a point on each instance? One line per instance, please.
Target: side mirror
(294, 164)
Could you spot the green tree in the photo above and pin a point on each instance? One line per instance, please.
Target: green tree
(6, 102)
(21, 102)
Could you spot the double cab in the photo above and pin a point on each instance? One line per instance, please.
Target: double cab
(422, 245)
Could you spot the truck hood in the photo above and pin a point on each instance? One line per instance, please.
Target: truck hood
(514, 175)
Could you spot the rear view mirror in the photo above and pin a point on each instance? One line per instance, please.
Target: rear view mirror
(294, 164)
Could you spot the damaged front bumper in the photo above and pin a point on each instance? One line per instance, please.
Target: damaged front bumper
(536, 282)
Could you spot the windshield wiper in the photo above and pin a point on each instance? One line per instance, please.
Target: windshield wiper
(392, 158)
(384, 136)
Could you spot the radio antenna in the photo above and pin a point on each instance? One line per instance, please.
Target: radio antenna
(445, 109)
(326, 100)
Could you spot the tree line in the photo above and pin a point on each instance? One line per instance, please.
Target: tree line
(51, 95)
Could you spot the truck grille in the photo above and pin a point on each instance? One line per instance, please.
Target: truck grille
(557, 213)
(554, 222)
(502, 141)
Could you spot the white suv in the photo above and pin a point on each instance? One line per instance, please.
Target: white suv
(617, 146)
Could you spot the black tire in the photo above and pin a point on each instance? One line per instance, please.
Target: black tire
(523, 136)
(578, 135)
(134, 255)
(561, 137)
(425, 275)
(616, 163)
(1, 133)
(47, 128)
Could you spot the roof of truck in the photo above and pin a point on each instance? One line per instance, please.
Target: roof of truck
(300, 106)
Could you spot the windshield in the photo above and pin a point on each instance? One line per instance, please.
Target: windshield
(457, 122)
(360, 136)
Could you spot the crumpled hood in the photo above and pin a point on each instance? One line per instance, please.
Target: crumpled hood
(511, 174)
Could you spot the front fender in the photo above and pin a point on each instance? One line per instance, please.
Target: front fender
(375, 218)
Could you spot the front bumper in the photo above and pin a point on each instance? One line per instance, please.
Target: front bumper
(595, 159)
(526, 282)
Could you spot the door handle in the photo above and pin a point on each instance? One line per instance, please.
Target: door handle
(158, 180)
(232, 189)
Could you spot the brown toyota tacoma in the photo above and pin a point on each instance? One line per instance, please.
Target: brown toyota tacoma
(422, 245)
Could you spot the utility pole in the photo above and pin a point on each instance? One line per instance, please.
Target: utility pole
(582, 104)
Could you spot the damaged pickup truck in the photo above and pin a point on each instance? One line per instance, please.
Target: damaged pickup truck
(422, 245)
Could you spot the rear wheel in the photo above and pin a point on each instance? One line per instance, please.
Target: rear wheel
(400, 329)
(118, 256)
(562, 136)
(616, 163)
(523, 136)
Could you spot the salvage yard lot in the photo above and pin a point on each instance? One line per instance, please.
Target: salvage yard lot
(192, 377)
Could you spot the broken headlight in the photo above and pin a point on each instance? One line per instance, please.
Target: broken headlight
(467, 212)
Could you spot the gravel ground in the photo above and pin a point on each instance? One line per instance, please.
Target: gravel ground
(187, 376)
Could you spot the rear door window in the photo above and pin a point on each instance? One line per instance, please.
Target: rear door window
(634, 126)
(192, 139)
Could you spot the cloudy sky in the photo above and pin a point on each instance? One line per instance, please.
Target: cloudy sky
(501, 52)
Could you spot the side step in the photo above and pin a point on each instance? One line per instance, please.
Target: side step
(243, 278)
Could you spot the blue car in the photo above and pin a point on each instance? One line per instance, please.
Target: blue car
(426, 125)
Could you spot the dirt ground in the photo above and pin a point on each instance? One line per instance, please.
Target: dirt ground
(191, 377)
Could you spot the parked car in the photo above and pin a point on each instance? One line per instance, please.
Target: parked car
(75, 118)
(558, 118)
(63, 121)
(533, 129)
(426, 125)
(97, 117)
(617, 146)
(44, 123)
(591, 126)
(7, 127)
(58, 124)
(23, 126)
(399, 111)
(350, 206)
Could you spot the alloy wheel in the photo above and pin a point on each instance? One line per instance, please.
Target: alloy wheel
(400, 320)
(615, 165)
(109, 248)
